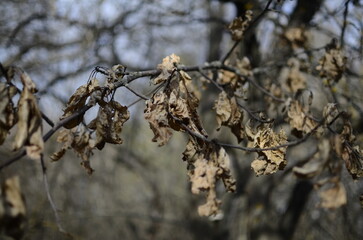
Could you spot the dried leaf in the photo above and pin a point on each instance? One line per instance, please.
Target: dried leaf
(80, 140)
(29, 133)
(239, 25)
(297, 37)
(351, 154)
(332, 65)
(109, 122)
(334, 197)
(270, 161)
(7, 110)
(12, 198)
(228, 114)
(157, 116)
(77, 101)
(299, 120)
(28, 82)
(166, 67)
(295, 79)
(205, 167)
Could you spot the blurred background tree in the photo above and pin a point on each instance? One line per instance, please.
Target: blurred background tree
(140, 191)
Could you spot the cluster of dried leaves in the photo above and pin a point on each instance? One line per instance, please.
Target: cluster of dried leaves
(105, 128)
(26, 114)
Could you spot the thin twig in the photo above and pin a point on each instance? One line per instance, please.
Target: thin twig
(345, 15)
(252, 24)
(50, 199)
(137, 94)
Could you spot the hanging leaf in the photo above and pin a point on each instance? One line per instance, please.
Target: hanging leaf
(29, 133)
(7, 110)
(77, 101)
(270, 161)
(108, 123)
(157, 116)
(239, 25)
(166, 67)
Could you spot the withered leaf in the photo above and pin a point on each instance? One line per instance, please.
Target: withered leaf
(298, 118)
(352, 155)
(239, 25)
(166, 67)
(77, 101)
(29, 132)
(109, 122)
(270, 161)
(157, 116)
(295, 79)
(332, 65)
(79, 139)
(12, 198)
(206, 166)
(334, 197)
(297, 37)
(28, 82)
(7, 110)
(228, 114)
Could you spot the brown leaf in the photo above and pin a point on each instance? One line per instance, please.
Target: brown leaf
(352, 155)
(334, 197)
(205, 167)
(270, 161)
(80, 140)
(157, 116)
(295, 79)
(12, 199)
(166, 67)
(7, 110)
(29, 133)
(332, 65)
(28, 82)
(299, 119)
(78, 101)
(228, 114)
(239, 25)
(297, 37)
(109, 122)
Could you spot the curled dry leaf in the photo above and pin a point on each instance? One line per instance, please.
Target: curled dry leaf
(297, 37)
(270, 161)
(228, 114)
(77, 101)
(29, 132)
(295, 79)
(298, 118)
(332, 65)
(28, 82)
(7, 110)
(352, 155)
(205, 167)
(157, 116)
(166, 67)
(11, 200)
(333, 197)
(108, 123)
(80, 140)
(239, 25)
